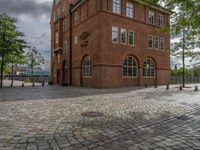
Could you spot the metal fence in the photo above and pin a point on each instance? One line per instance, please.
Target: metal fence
(188, 80)
(37, 79)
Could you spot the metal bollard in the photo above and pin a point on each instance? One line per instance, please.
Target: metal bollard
(181, 88)
(33, 84)
(156, 86)
(196, 88)
(43, 82)
(167, 87)
(22, 84)
(11, 85)
(145, 85)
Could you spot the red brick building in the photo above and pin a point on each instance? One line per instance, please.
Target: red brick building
(109, 43)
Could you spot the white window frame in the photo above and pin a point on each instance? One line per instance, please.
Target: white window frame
(58, 58)
(129, 10)
(150, 36)
(75, 39)
(130, 31)
(156, 39)
(57, 1)
(57, 37)
(66, 46)
(87, 67)
(132, 67)
(64, 25)
(76, 17)
(117, 6)
(162, 41)
(123, 36)
(151, 17)
(147, 70)
(115, 32)
(161, 20)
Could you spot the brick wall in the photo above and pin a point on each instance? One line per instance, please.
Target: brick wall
(97, 19)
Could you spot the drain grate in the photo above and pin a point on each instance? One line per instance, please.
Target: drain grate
(92, 114)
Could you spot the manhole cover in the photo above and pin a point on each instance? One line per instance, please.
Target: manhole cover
(92, 114)
(183, 117)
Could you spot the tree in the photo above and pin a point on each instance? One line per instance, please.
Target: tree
(17, 57)
(34, 59)
(185, 22)
(10, 41)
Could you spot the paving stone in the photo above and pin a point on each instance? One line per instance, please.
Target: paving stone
(50, 118)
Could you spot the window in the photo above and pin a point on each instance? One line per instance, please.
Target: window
(57, 37)
(123, 36)
(66, 46)
(129, 10)
(58, 58)
(130, 67)
(156, 43)
(131, 38)
(115, 34)
(87, 67)
(150, 42)
(117, 6)
(151, 17)
(75, 40)
(64, 25)
(76, 17)
(57, 1)
(161, 20)
(148, 68)
(59, 11)
(162, 43)
(63, 7)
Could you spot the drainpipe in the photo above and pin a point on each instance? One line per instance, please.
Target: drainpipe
(70, 45)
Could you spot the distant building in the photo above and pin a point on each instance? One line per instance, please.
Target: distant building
(109, 43)
(25, 71)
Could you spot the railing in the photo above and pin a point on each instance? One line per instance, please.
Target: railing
(188, 79)
(37, 79)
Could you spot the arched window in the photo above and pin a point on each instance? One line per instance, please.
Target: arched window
(130, 67)
(148, 68)
(87, 67)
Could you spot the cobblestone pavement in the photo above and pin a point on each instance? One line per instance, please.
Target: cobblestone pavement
(68, 118)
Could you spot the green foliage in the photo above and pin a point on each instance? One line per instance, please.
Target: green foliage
(179, 72)
(194, 72)
(34, 59)
(7, 69)
(11, 43)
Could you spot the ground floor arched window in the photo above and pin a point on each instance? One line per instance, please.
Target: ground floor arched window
(149, 68)
(87, 67)
(130, 67)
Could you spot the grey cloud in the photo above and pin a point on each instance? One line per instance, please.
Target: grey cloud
(29, 8)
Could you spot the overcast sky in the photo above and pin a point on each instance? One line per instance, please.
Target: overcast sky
(33, 19)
